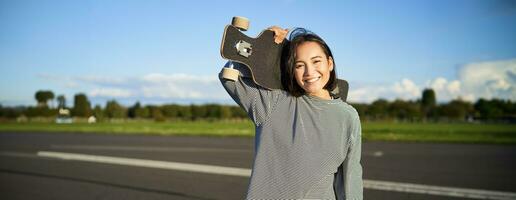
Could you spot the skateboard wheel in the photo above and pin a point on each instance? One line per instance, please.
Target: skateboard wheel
(241, 23)
(231, 74)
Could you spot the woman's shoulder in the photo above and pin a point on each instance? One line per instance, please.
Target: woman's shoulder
(350, 111)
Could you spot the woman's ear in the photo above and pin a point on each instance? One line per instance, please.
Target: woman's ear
(330, 63)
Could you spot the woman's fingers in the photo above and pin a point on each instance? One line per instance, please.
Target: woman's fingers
(279, 33)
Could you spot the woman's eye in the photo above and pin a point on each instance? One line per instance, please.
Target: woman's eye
(316, 61)
(298, 66)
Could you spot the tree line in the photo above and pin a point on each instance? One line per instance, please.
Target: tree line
(424, 109)
(427, 109)
(82, 108)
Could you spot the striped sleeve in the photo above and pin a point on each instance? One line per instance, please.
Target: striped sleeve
(352, 169)
(257, 101)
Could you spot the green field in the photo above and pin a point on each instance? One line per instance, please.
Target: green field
(385, 131)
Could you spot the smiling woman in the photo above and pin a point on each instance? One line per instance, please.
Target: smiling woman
(308, 141)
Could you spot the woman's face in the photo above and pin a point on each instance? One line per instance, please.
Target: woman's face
(312, 68)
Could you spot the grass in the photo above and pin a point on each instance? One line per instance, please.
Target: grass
(441, 132)
(371, 131)
(216, 128)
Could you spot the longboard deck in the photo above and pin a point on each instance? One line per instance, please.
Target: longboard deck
(264, 60)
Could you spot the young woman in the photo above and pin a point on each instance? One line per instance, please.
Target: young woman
(307, 143)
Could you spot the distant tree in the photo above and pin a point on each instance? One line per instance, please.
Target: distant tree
(98, 112)
(404, 110)
(131, 112)
(40, 111)
(185, 112)
(378, 109)
(225, 112)
(156, 113)
(170, 111)
(213, 111)
(456, 109)
(510, 109)
(237, 111)
(12, 112)
(142, 112)
(414, 111)
(428, 102)
(198, 111)
(5, 112)
(61, 101)
(115, 110)
(42, 97)
(494, 108)
(81, 105)
(362, 109)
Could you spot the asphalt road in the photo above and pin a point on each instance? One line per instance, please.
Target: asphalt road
(26, 175)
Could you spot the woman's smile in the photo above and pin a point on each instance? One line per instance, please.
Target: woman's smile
(312, 80)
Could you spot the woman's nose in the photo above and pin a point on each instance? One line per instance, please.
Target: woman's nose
(309, 70)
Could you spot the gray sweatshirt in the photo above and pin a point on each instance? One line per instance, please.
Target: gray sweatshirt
(305, 147)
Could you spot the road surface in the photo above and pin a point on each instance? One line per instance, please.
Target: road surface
(97, 166)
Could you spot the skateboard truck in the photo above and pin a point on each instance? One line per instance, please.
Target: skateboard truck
(229, 72)
(244, 48)
(241, 23)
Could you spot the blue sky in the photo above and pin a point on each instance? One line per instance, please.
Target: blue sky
(168, 51)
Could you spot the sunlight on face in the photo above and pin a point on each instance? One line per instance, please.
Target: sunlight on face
(312, 69)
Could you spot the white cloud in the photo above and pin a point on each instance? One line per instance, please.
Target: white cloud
(65, 81)
(493, 79)
(110, 92)
(182, 86)
(405, 89)
(447, 90)
(153, 87)
(178, 78)
(103, 80)
(454, 87)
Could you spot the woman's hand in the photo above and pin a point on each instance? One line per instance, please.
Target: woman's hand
(279, 33)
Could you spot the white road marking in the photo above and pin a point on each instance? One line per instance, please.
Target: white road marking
(438, 190)
(373, 153)
(18, 154)
(211, 169)
(243, 172)
(378, 153)
(147, 148)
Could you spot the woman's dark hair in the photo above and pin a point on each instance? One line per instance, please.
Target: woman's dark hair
(297, 37)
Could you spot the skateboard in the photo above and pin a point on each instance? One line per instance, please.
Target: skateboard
(261, 55)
